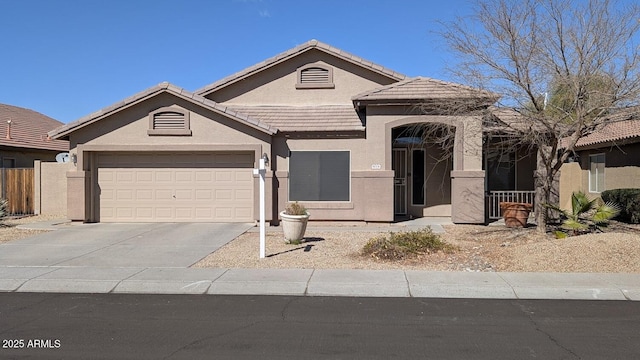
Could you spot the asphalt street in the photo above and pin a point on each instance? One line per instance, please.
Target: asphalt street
(132, 326)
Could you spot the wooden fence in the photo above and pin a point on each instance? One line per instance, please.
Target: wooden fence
(18, 188)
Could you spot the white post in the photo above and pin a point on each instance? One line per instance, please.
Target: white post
(262, 171)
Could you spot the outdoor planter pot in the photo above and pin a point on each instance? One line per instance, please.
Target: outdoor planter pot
(515, 214)
(293, 227)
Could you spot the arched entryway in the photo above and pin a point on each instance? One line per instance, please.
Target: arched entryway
(452, 179)
(422, 163)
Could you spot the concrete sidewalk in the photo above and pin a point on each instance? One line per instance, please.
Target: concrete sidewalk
(320, 282)
(135, 258)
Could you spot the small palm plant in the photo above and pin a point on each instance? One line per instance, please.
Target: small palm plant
(586, 215)
(4, 211)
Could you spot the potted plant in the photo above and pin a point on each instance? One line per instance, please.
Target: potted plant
(294, 222)
(515, 214)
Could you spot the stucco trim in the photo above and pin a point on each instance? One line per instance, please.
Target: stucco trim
(84, 149)
(419, 119)
(467, 173)
(327, 205)
(373, 174)
(166, 147)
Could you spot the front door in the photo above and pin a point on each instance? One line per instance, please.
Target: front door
(399, 165)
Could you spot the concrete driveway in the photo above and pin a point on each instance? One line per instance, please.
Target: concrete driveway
(121, 245)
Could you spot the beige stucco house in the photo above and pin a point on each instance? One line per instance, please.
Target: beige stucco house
(606, 159)
(331, 124)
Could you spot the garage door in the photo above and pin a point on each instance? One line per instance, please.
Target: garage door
(185, 187)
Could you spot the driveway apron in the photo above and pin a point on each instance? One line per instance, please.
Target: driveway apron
(121, 245)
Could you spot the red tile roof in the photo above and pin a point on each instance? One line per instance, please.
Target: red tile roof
(28, 129)
(613, 132)
(618, 128)
(305, 118)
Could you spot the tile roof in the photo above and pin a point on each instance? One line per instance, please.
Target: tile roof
(305, 118)
(28, 129)
(152, 91)
(622, 126)
(312, 44)
(423, 88)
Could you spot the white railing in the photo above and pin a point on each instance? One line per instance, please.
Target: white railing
(496, 197)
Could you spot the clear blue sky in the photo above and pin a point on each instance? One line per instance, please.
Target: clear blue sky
(68, 58)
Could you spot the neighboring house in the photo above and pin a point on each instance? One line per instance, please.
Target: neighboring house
(606, 159)
(23, 137)
(332, 125)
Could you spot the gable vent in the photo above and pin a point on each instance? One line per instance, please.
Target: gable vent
(168, 120)
(314, 75)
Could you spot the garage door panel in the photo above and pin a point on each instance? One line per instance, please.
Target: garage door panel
(144, 212)
(124, 212)
(204, 194)
(204, 176)
(161, 194)
(184, 176)
(144, 194)
(184, 213)
(144, 176)
(244, 194)
(124, 195)
(163, 176)
(243, 211)
(182, 195)
(175, 187)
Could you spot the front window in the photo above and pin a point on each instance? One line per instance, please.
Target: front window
(596, 173)
(418, 177)
(319, 176)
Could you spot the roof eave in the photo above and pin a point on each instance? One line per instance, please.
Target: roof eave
(481, 101)
(64, 131)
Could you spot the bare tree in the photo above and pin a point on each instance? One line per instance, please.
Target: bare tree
(561, 66)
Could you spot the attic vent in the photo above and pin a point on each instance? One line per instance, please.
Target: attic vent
(315, 76)
(169, 121)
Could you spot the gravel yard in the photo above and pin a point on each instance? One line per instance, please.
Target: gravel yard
(8, 231)
(481, 248)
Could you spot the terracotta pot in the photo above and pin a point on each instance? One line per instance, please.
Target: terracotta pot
(293, 227)
(515, 214)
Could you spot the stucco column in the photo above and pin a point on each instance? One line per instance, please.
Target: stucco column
(467, 177)
(37, 186)
(376, 193)
(76, 195)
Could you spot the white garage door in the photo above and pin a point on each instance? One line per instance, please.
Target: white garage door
(184, 187)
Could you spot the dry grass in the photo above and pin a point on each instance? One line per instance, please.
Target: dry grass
(481, 248)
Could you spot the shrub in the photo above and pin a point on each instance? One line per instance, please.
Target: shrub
(629, 202)
(585, 215)
(295, 209)
(397, 246)
(4, 203)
